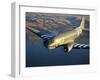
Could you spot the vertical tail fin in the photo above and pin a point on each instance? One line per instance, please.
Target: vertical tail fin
(82, 24)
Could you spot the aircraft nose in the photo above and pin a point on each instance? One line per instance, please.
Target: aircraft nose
(51, 46)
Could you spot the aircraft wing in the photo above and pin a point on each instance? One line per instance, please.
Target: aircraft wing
(82, 42)
(69, 47)
(81, 46)
(42, 33)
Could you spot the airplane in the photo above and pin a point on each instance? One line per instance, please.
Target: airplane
(66, 39)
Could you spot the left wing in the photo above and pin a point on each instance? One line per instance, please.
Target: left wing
(81, 46)
(41, 33)
(70, 46)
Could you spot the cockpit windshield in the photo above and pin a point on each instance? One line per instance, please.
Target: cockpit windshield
(47, 42)
(50, 41)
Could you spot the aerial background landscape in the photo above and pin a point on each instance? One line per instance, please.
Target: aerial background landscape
(37, 55)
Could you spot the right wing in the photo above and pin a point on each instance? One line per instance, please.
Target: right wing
(42, 34)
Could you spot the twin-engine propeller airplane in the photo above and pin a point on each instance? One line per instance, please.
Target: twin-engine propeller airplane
(66, 39)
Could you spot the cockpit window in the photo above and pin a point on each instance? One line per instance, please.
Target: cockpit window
(51, 41)
(47, 42)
